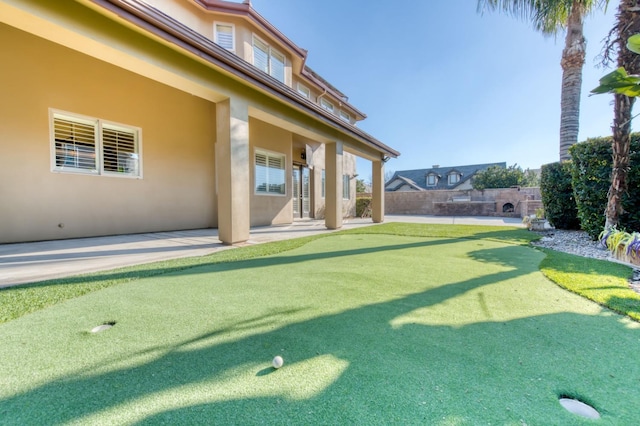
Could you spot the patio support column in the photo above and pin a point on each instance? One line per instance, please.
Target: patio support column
(333, 185)
(233, 165)
(377, 191)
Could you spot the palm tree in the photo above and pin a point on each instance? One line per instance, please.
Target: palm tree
(627, 24)
(550, 16)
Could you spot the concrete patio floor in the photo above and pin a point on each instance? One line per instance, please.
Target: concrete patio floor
(31, 262)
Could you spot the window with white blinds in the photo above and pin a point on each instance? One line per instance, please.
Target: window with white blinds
(277, 66)
(223, 35)
(268, 60)
(270, 173)
(89, 145)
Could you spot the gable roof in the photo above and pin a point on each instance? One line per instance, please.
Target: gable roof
(403, 181)
(419, 176)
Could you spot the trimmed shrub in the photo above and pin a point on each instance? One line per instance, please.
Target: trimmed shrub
(363, 206)
(591, 177)
(557, 196)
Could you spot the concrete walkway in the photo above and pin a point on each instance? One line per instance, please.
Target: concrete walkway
(30, 262)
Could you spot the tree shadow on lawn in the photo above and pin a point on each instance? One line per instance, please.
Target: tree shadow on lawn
(356, 367)
(182, 264)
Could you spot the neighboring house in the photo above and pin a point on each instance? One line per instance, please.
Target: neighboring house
(444, 178)
(129, 116)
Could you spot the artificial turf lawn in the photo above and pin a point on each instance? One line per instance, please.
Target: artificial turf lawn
(374, 329)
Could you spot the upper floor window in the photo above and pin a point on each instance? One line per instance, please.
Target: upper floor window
(345, 116)
(326, 105)
(269, 173)
(304, 91)
(268, 60)
(93, 146)
(432, 179)
(454, 178)
(223, 34)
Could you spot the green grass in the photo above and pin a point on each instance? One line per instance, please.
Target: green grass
(377, 326)
(24, 299)
(20, 300)
(604, 282)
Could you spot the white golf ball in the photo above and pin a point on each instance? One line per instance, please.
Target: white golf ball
(277, 362)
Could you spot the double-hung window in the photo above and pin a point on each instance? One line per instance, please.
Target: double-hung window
(270, 173)
(93, 146)
(268, 59)
(223, 35)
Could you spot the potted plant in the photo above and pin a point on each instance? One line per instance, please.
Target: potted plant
(536, 222)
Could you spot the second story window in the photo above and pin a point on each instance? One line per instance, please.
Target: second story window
(304, 91)
(432, 179)
(268, 60)
(223, 35)
(326, 105)
(345, 116)
(454, 178)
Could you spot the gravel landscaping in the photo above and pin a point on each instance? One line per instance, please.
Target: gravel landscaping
(580, 243)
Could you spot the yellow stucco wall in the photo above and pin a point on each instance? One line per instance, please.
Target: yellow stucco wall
(177, 190)
(270, 209)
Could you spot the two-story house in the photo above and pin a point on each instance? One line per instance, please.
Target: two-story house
(129, 116)
(450, 178)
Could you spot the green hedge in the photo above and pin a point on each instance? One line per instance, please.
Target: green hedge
(557, 196)
(591, 177)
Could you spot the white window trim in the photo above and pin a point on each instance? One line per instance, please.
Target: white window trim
(271, 52)
(272, 154)
(99, 124)
(345, 116)
(457, 175)
(233, 34)
(435, 179)
(326, 105)
(304, 91)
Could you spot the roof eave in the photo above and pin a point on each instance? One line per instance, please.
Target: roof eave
(155, 22)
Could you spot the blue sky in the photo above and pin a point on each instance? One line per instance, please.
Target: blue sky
(443, 84)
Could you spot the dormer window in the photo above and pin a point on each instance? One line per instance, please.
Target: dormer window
(268, 60)
(454, 178)
(345, 116)
(432, 179)
(223, 35)
(325, 104)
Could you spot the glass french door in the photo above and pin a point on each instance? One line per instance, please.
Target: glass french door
(301, 191)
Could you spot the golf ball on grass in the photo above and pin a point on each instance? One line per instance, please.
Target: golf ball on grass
(277, 362)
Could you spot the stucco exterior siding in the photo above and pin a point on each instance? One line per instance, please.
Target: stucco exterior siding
(177, 188)
(270, 209)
